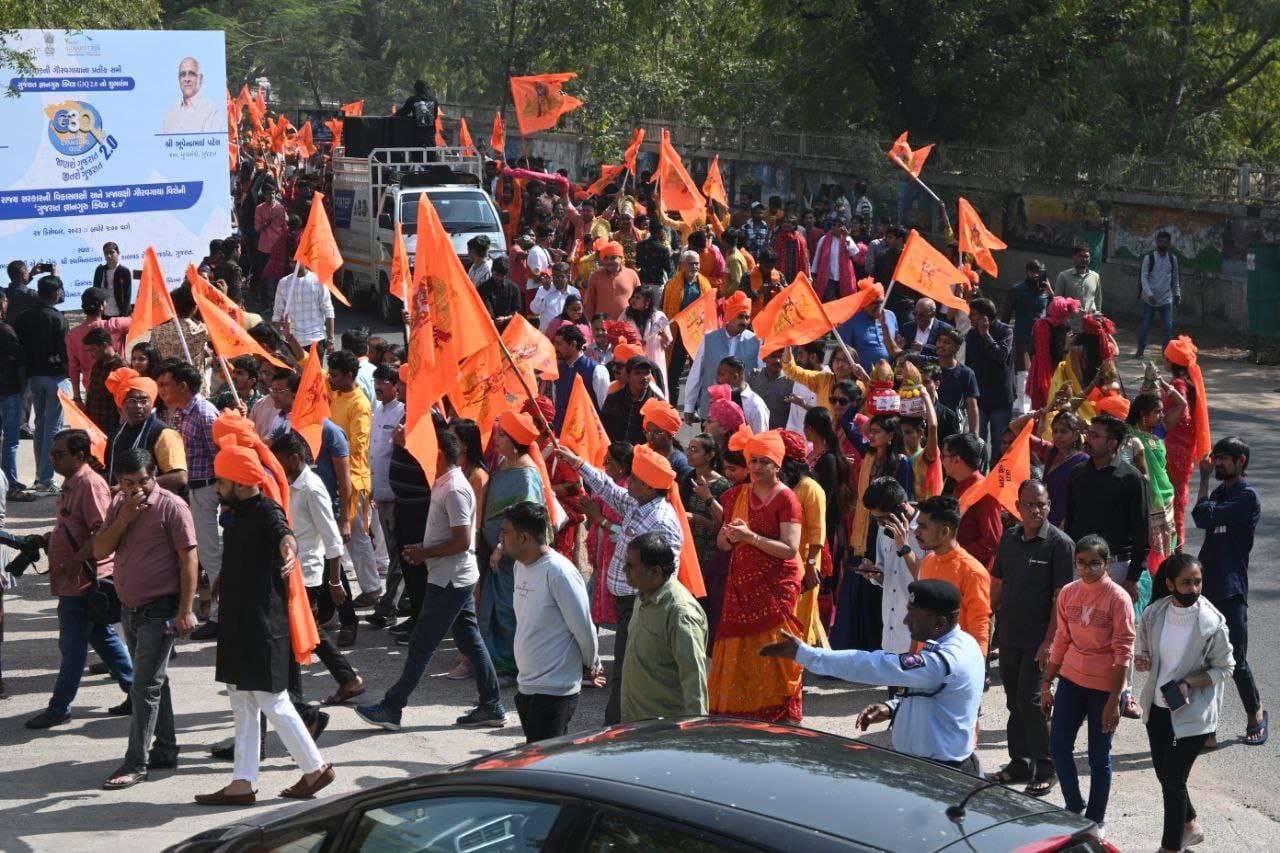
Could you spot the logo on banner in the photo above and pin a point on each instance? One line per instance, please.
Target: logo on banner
(75, 129)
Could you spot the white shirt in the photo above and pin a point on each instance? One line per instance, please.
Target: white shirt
(307, 303)
(894, 636)
(695, 369)
(555, 637)
(478, 273)
(386, 417)
(795, 418)
(833, 261)
(264, 415)
(537, 260)
(364, 379)
(1174, 638)
(1157, 285)
(453, 504)
(922, 335)
(754, 410)
(313, 525)
(548, 303)
(194, 116)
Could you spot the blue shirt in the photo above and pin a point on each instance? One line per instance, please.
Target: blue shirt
(957, 384)
(333, 443)
(862, 332)
(937, 715)
(1029, 304)
(1228, 517)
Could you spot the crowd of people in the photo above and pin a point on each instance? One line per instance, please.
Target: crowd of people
(822, 489)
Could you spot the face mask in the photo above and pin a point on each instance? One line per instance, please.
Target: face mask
(1186, 599)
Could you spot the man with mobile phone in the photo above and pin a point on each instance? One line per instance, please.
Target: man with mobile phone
(898, 556)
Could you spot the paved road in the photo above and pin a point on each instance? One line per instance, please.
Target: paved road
(49, 797)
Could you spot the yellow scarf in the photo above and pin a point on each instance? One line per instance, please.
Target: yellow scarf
(861, 515)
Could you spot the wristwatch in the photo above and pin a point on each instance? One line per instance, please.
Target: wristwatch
(904, 551)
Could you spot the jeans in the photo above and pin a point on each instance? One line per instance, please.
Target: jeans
(75, 634)
(48, 409)
(1071, 706)
(613, 710)
(1172, 758)
(445, 608)
(1236, 611)
(150, 645)
(1149, 312)
(10, 424)
(543, 716)
(1028, 729)
(395, 570)
(991, 426)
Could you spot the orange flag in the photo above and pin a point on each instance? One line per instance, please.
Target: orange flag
(607, 175)
(317, 250)
(540, 102)
(840, 310)
(713, 186)
(676, 187)
(498, 139)
(280, 134)
(229, 338)
(532, 354)
(202, 286)
(927, 271)
(484, 388)
(689, 572)
(698, 318)
(794, 317)
(1006, 476)
(903, 156)
(441, 142)
(244, 100)
(582, 431)
(633, 150)
(306, 145)
(233, 153)
(77, 419)
(311, 403)
(153, 305)
(355, 108)
(335, 127)
(464, 138)
(260, 102)
(976, 240)
(401, 274)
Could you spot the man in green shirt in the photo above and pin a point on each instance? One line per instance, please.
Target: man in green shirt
(1080, 282)
(665, 669)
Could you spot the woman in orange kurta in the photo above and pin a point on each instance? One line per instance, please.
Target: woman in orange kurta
(762, 534)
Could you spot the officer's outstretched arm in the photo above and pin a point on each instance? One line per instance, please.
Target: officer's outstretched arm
(920, 670)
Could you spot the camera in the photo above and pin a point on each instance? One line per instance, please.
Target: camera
(28, 548)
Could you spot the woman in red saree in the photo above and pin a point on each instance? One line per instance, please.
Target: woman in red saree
(762, 534)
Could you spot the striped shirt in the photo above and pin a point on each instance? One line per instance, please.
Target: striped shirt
(194, 422)
(656, 516)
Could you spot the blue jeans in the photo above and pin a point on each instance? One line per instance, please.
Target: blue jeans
(48, 409)
(445, 608)
(1072, 704)
(1149, 312)
(10, 423)
(75, 635)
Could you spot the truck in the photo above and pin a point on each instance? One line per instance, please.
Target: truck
(373, 194)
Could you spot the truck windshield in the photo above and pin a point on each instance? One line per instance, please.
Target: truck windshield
(460, 212)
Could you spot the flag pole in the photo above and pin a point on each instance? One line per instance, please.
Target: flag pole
(524, 383)
(226, 373)
(827, 317)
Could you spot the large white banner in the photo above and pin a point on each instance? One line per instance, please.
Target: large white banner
(118, 136)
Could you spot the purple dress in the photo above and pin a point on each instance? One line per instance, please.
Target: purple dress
(1056, 480)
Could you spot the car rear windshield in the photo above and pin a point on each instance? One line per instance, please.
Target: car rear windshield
(461, 212)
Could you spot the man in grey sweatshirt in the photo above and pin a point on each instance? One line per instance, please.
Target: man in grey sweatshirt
(555, 638)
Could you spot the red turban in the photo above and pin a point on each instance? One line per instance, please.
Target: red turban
(122, 380)
(1182, 351)
(543, 404)
(794, 444)
(652, 468)
(661, 414)
(239, 465)
(723, 410)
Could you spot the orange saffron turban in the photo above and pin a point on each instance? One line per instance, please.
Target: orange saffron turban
(122, 380)
(1116, 405)
(741, 438)
(519, 426)
(767, 444)
(1182, 351)
(239, 465)
(610, 249)
(738, 303)
(652, 468)
(660, 414)
(624, 352)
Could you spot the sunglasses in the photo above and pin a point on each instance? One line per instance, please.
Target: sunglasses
(840, 401)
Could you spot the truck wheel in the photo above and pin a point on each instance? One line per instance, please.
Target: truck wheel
(388, 306)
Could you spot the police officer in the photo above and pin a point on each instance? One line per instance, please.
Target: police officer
(935, 717)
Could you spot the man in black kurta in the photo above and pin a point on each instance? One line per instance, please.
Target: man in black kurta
(254, 645)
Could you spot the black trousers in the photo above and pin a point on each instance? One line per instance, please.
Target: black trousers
(1028, 728)
(1236, 611)
(680, 358)
(1172, 759)
(613, 710)
(415, 586)
(543, 716)
(329, 655)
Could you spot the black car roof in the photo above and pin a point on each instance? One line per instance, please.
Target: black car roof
(841, 787)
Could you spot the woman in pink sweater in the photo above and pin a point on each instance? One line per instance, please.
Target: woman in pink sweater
(1090, 659)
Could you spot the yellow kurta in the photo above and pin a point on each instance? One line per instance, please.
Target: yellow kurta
(813, 534)
(1065, 376)
(350, 410)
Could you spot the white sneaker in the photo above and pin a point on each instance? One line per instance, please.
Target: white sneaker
(46, 490)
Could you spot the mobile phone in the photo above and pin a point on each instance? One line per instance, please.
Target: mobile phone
(1172, 695)
(137, 275)
(43, 266)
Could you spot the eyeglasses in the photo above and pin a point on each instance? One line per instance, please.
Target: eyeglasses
(1096, 565)
(840, 401)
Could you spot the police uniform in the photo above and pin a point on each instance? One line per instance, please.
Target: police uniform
(935, 717)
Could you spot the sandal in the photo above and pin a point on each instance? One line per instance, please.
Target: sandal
(1256, 734)
(123, 778)
(1039, 787)
(1009, 776)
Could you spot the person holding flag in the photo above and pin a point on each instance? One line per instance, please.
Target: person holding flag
(735, 339)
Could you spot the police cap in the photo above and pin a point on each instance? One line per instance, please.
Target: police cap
(936, 596)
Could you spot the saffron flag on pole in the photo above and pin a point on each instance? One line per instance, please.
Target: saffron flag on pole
(976, 240)
(794, 317)
(335, 128)
(441, 142)
(77, 419)
(696, 320)
(355, 108)
(1006, 476)
(318, 250)
(582, 432)
(154, 305)
(713, 186)
(531, 354)
(904, 157)
(464, 138)
(311, 403)
(498, 139)
(675, 186)
(842, 309)
(607, 175)
(928, 272)
(633, 150)
(486, 387)
(259, 109)
(540, 102)
(228, 338)
(401, 274)
(306, 144)
(202, 286)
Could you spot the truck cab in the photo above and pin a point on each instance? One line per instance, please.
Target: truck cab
(371, 195)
